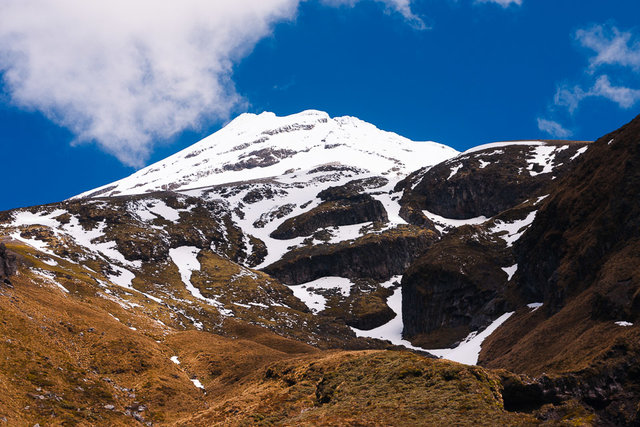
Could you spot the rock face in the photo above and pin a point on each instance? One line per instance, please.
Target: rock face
(8, 264)
(580, 256)
(485, 182)
(592, 215)
(353, 210)
(456, 287)
(464, 281)
(376, 256)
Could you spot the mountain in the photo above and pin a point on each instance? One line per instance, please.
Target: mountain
(264, 146)
(307, 270)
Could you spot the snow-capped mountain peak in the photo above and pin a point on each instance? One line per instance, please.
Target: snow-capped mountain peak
(256, 146)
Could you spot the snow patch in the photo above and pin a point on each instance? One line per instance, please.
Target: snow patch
(392, 330)
(443, 223)
(175, 360)
(469, 349)
(502, 144)
(534, 306)
(454, 171)
(186, 259)
(579, 152)
(124, 277)
(197, 383)
(543, 156)
(623, 323)
(316, 302)
(510, 271)
(514, 230)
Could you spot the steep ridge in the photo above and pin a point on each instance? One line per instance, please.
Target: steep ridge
(463, 282)
(580, 256)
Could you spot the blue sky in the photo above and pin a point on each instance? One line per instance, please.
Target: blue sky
(76, 111)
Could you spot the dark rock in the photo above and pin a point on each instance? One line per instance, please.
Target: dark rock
(8, 264)
(455, 287)
(259, 158)
(352, 188)
(592, 214)
(485, 182)
(355, 210)
(376, 256)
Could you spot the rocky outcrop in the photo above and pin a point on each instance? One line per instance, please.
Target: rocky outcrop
(8, 264)
(352, 188)
(489, 181)
(353, 210)
(377, 256)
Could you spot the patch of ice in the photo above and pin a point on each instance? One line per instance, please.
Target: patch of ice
(443, 223)
(510, 271)
(469, 349)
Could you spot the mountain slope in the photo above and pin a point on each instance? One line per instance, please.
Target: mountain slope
(262, 146)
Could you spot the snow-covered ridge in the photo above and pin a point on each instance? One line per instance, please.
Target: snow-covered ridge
(261, 146)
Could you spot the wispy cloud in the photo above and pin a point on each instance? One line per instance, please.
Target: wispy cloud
(127, 74)
(503, 3)
(615, 52)
(553, 128)
(400, 6)
(611, 46)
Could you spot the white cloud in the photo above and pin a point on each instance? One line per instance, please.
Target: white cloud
(572, 97)
(611, 46)
(129, 73)
(401, 6)
(623, 96)
(553, 128)
(503, 3)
